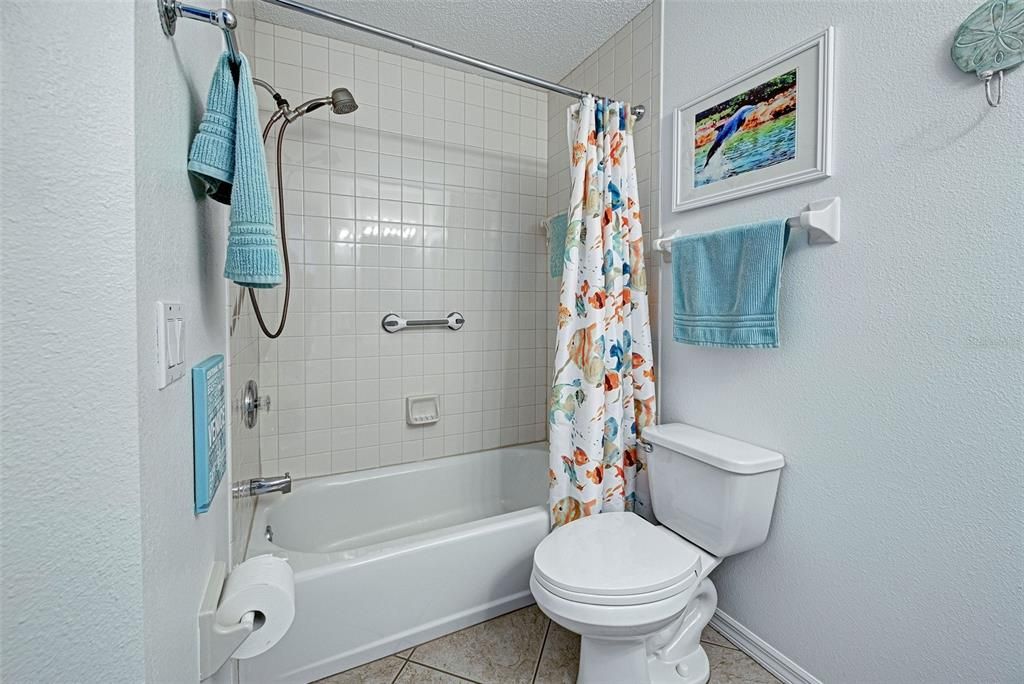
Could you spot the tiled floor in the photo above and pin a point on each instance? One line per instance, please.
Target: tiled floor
(522, 647)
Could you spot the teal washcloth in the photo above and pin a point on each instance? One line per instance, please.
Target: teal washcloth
(557, 227)
(211, 158)
(253, 259)
(725, 286)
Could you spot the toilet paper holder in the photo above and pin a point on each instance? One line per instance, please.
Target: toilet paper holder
(218, 642)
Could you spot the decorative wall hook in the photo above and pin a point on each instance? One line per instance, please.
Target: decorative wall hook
(987, 77)
(991, 41)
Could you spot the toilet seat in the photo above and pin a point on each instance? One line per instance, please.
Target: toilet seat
(615, 559)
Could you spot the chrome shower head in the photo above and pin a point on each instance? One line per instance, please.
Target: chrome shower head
(342, 101)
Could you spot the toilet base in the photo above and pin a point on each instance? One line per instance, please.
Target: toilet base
(672, 655)
(693, 669)
(607, 661)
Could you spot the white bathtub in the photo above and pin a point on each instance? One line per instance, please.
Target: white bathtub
(389, 558)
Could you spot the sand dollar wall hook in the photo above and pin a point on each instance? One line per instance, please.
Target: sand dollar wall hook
(987, 77)
(991, 41)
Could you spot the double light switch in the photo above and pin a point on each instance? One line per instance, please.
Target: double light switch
(171, 336)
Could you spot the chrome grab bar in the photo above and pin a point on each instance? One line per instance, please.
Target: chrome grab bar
(392, 323)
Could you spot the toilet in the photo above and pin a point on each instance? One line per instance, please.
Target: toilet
(637, 593)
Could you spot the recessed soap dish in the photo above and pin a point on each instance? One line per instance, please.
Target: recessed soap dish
(423, 410)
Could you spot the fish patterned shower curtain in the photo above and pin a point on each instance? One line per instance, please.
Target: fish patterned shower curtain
(602, 395)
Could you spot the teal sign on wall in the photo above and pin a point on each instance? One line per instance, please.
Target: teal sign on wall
(209, 422)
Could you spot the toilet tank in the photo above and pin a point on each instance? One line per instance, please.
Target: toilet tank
(712, 490)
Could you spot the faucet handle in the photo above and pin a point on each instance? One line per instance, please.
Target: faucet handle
(251, 403)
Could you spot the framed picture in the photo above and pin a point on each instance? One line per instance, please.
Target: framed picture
(766, 129)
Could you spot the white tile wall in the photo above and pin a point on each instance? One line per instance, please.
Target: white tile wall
(626, 67)
(426, 200)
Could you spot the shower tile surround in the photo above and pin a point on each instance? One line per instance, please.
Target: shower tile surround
(428, 199)
(243, 365)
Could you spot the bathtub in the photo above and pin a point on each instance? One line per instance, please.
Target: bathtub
(390, 558)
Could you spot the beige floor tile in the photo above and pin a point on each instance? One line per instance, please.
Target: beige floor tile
(730, 666)
(404, 654)
(711, 636)
(500, 651)
(381, 671)
(559, 662)
(417, 674)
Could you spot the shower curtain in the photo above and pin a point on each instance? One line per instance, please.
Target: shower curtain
(602, 394)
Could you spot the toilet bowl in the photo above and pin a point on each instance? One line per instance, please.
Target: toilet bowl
(637, 593)
(629, 609)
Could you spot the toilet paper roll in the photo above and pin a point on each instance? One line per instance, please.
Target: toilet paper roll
(264, 585)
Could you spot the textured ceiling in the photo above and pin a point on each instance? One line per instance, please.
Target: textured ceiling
(545, 38)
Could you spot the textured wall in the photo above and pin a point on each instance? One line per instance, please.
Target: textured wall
(895, 551)
(105, 562)
(180, 245)
(71, 530)
(426, 200)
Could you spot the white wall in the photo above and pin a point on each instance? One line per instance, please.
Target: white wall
(71, 529)
(104, 561)
(426, 200)
(895, 552)
(180, 247)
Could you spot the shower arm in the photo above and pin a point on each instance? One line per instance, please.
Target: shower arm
(283, 107)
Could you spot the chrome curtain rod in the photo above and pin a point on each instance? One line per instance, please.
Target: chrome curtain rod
(638, 110)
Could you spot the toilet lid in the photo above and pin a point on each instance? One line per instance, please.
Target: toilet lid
(615, 554)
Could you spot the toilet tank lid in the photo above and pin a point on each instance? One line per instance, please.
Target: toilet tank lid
(714, 449)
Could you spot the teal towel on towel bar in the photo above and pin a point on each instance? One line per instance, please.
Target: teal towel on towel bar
(227, 153)
(253, 259)
(211, 159)
(557, 227)
(725, 286)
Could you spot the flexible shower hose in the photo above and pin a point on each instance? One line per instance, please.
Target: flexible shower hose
(284, 239)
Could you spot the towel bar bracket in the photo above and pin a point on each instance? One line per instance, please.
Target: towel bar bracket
(224, 19)
(821, 219)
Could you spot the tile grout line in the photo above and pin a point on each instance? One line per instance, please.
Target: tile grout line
(540, 655)
(712, 643)
(398, 674)
(730, 644)
(437, 669)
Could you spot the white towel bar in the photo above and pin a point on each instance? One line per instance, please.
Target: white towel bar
(820, 219)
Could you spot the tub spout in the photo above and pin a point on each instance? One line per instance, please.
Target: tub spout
(262, 485)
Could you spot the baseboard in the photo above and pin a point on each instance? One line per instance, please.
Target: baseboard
(760, 650)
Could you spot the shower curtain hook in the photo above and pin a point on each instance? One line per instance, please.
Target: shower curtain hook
(986, 76)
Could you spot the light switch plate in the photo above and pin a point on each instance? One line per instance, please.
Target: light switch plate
(170, 343)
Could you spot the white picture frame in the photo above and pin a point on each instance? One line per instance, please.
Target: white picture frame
(804, 153)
